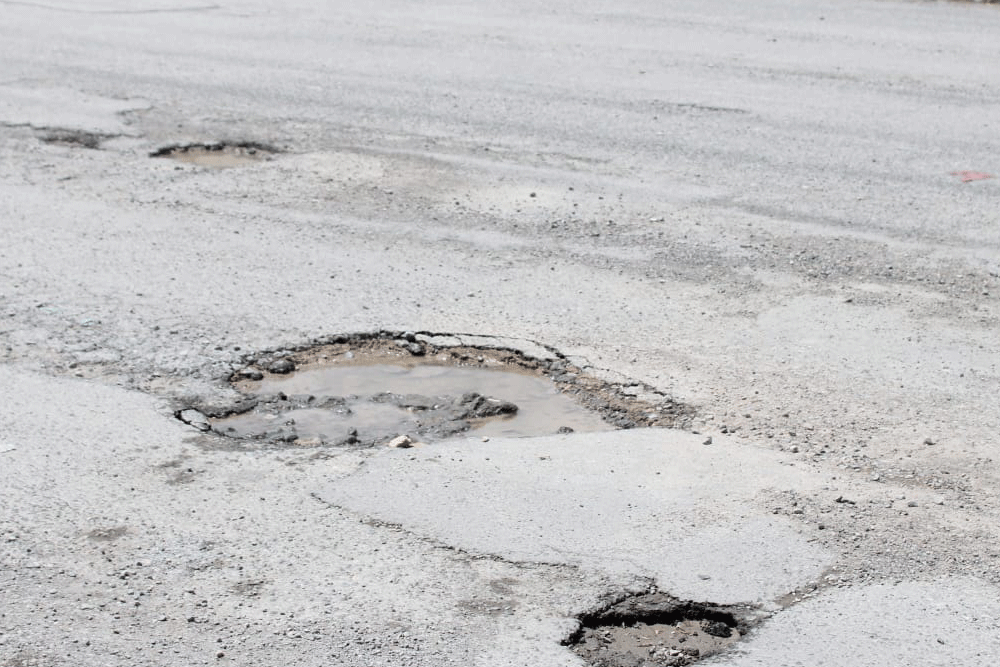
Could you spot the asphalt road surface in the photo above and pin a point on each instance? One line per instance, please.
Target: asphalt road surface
(780, 213)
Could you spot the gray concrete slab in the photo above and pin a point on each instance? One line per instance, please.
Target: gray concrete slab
(945, 622)
(652, 503)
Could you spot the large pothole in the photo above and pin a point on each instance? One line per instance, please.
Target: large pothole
(657, 630)
(218, 155)
(407, 388)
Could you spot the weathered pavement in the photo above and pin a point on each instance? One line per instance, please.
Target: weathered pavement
(759, 209)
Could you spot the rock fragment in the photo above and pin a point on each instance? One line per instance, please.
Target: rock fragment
(281, 366)
(401, 441)
(195, 418)
(476, 406)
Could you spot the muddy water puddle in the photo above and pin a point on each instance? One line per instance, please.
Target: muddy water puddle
(371, 389)
(427, 402)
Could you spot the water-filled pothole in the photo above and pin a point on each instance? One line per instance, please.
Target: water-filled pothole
(657, 630)
(407, 388)
(218, 155)
(427, 400)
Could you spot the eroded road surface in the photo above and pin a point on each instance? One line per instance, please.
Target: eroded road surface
(751, 249)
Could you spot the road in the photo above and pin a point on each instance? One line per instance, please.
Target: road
(782, 214)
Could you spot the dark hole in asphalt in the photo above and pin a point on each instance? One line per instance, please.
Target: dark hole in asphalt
(657, 630)
(218, 155)
(405, 389)
(73, 138)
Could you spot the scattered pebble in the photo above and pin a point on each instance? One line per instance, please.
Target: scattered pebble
(401, 441)
(281, 366)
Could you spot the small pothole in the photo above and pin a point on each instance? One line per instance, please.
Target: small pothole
(79, 138)
(657, 630)
(404, 389)
(218, 155)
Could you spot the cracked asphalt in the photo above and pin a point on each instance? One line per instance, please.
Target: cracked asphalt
(780, 214)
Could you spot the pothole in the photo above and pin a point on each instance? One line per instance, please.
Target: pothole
(405, 389)
(218, 155)
(657, 630)
(80, 138)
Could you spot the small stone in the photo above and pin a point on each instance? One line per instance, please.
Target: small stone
(928, 441)
(401, 441)
(564, 430)
(716, 629)
(708, 441)
(416, 349)
(912, 503)
(281, 367)
(795, 449)
(195, 418)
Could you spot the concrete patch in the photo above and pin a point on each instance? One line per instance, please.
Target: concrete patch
(947, 622)
(654, 503)
(64, 109)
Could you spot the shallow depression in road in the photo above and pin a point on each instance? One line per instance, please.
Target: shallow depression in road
(218, 155)
(426, 400)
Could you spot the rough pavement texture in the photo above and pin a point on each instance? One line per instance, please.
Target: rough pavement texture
(763, 209)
